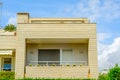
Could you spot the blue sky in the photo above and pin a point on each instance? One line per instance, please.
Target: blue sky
(106, 13)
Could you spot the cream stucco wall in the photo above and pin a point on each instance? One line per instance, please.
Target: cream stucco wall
(32, 54)
(8, 42)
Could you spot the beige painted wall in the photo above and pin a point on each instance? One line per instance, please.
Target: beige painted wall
(32, 54)
(57, 30)
(8, 42)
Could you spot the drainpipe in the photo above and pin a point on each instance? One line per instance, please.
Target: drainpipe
(89, 75)
(24, 75)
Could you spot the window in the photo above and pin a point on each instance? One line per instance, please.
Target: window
(7, 64)
(67, 56)
(49, 56)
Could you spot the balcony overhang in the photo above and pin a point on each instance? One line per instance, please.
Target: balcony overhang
(54, 41)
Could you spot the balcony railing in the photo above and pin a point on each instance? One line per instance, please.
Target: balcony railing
(58, 63)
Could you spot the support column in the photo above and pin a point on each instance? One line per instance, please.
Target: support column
(92, 58)
(20, 58)
(13, 63)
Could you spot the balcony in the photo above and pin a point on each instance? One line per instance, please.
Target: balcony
(57, 71)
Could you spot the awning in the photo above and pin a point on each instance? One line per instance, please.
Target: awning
(6, 52)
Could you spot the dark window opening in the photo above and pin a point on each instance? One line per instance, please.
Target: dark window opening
(7, 64)
(49, 56)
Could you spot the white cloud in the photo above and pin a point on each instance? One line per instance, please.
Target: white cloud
(110, 54)
(12, 20)
(97, 9)
(102, 38)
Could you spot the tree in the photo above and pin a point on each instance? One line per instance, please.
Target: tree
(10, 28)
(114, 73)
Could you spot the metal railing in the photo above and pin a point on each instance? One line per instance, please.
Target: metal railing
(58, 63)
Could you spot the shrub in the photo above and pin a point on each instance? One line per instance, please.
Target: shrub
(10, 28)
(81, 65)
(30, 64)
(54, 79)
(114, 73)
(7, 75)
(103, 77)
(68, 65)
(38, 65)
(53, 65)
(74, 65)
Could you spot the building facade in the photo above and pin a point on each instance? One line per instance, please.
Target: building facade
(50, 48)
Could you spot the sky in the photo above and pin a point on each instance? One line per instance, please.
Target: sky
(106, 13)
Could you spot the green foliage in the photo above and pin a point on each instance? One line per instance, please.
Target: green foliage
(7, 75)
(54, 79)
(114, 73)
(81, 65)
(10, 28)
(74, 65)
(53, 64)
(103, 77)
(68, 65)
(30, 64)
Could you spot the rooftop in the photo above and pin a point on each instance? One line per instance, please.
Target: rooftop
(24, 17)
